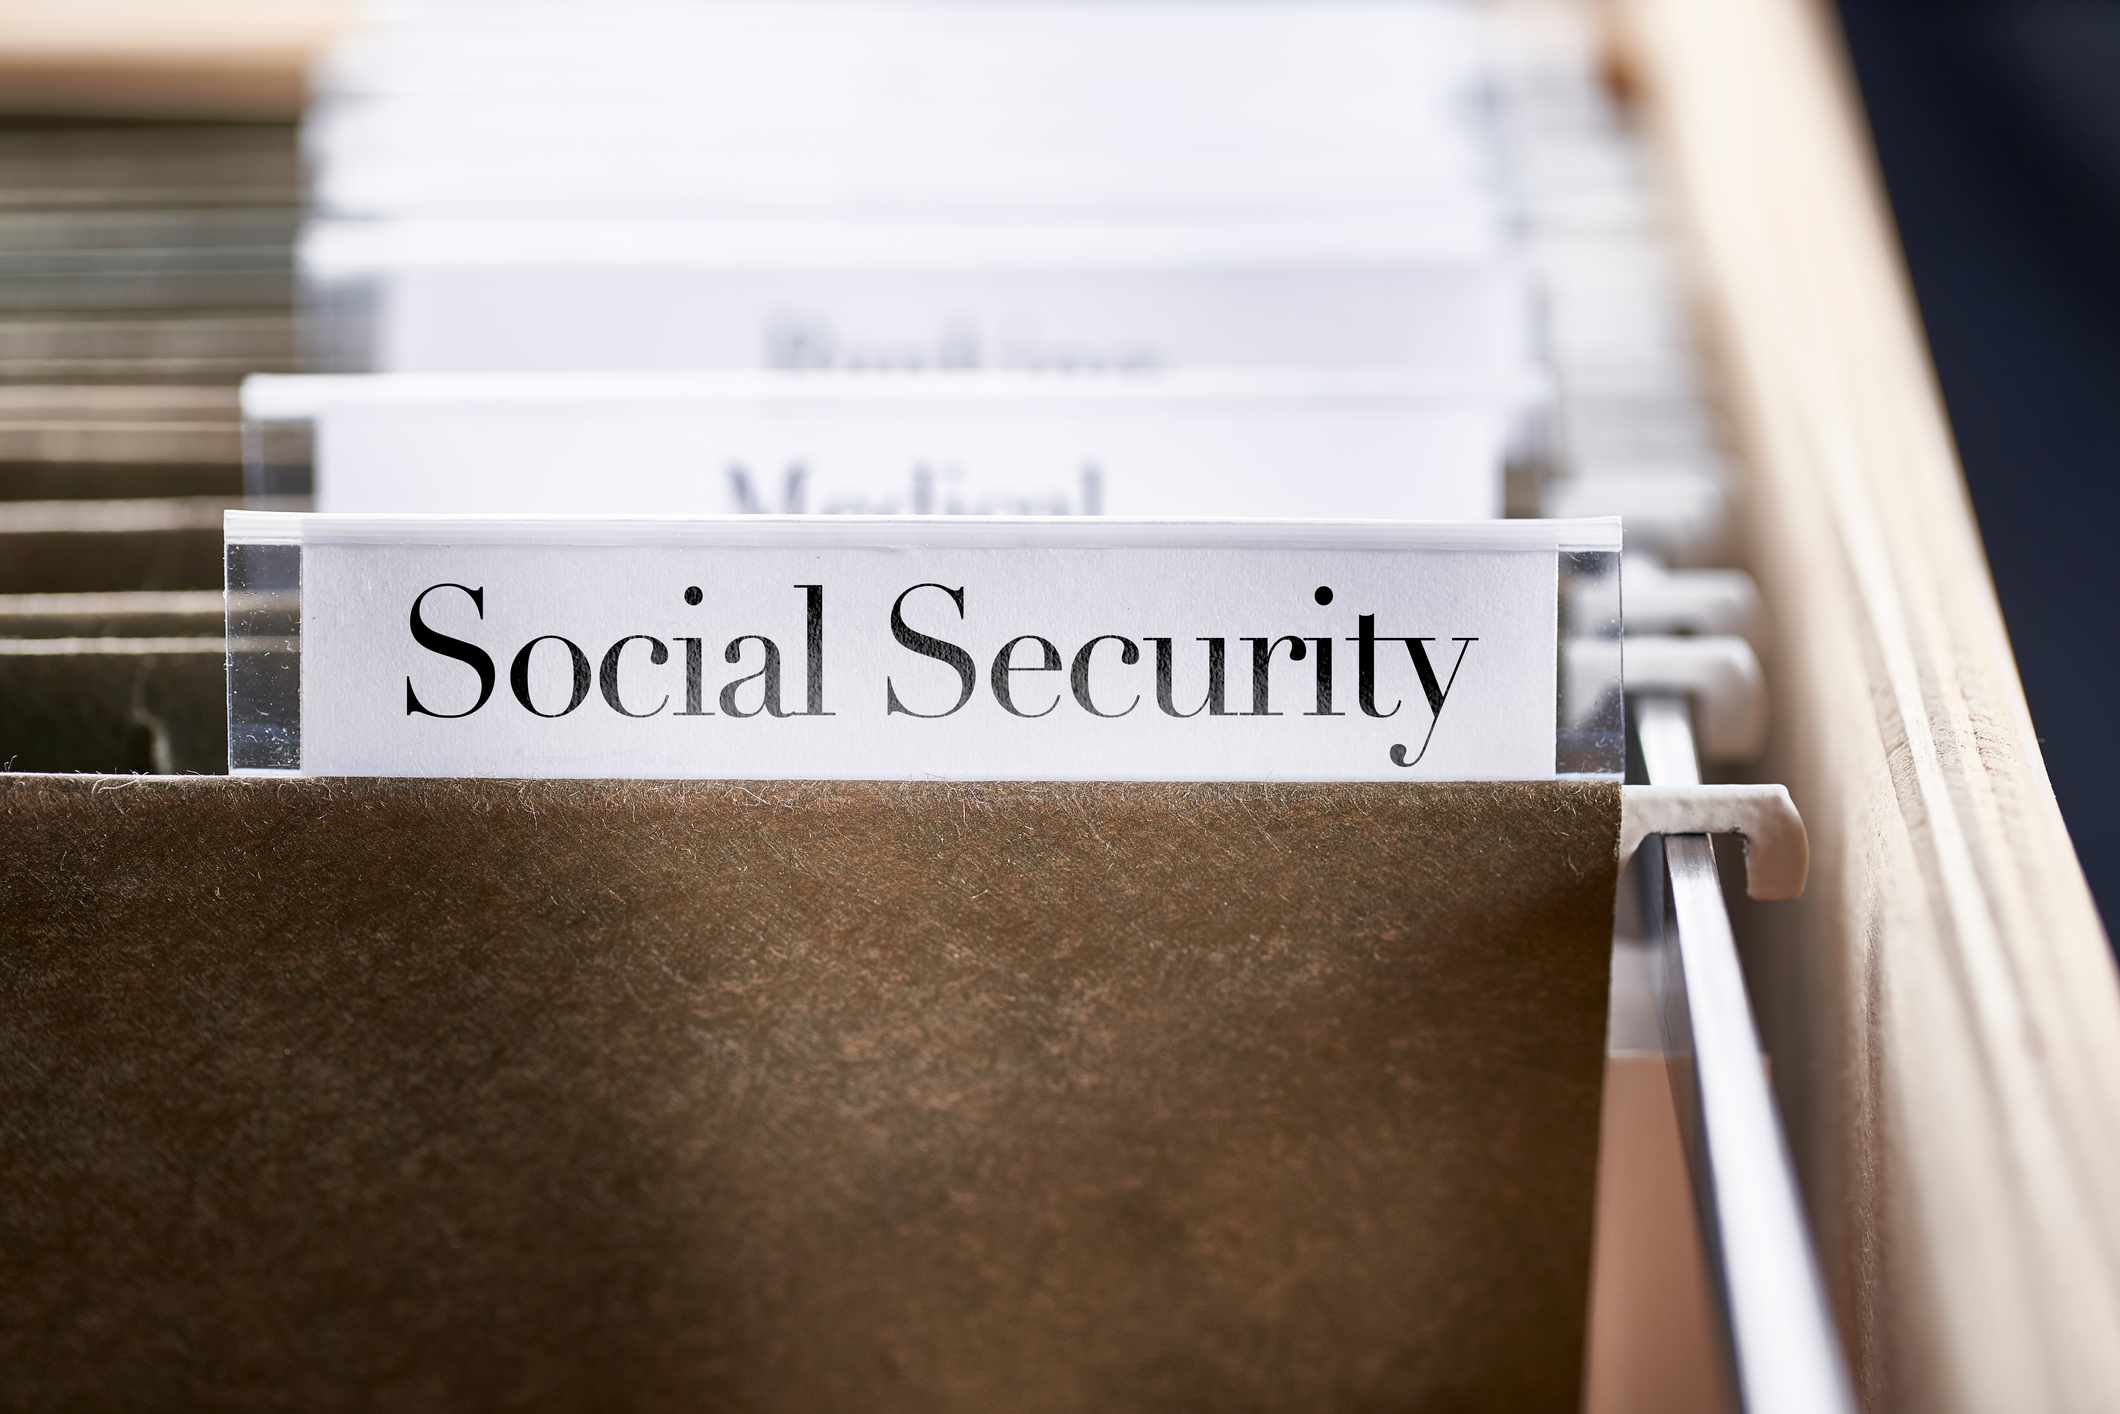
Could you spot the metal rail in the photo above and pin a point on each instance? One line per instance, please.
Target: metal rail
(1784, 1352)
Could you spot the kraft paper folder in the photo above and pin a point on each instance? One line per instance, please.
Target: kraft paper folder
(825, 1096)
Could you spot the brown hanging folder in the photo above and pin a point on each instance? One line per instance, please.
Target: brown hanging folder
(106, 546)
(899, 1095)
(113, 704)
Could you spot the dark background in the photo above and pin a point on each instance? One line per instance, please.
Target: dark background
(1998, 131)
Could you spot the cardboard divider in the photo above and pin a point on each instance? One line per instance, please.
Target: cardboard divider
(135, 261)
(897, 1095)
(212, 348)
(77, 547)
(114, 704)
(229, 58)
(176, 613)
(33, 481)
(1941, 1006)
(50, 163)
(95, 442)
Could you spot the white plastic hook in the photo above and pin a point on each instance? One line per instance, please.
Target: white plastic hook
(1720, 676)
(1777, 847)
(1660, 600)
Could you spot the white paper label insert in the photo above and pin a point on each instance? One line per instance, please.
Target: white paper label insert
(1044, 651)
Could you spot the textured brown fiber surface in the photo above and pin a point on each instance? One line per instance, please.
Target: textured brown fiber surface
(879, 1096)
